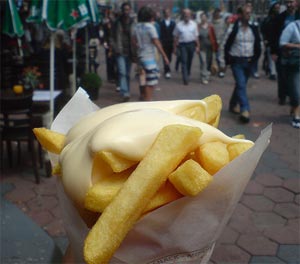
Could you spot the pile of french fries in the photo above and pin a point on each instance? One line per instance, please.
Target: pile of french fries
(178, 163)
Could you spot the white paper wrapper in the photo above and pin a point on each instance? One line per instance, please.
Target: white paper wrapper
(183, 231)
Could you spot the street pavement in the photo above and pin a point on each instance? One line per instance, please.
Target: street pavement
(264, 227)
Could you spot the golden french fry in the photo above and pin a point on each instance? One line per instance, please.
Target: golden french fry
(208, 114)
(195, 112)
(170, 147)
(213, 156)
(116, 162)
(214, 107)
(239, 136)
(56, 169)
(50, 140)
(166, 194)
(236, 149)
(100, 195)
(190, 178)
(215, 123)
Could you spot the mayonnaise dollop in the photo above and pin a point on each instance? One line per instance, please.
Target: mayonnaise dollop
(122, 129)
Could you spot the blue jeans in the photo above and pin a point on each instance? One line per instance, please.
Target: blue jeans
(241, 71)
(186, 54)
(293, 85)
(124, 67)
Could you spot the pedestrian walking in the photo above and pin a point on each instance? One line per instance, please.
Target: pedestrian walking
(186, 37)
(121, 43)
(220, 28)
(266, 30)
(242, 50)
(209, 47)
(167, 26)
(290, 45)
(281, 21)
(145, 40)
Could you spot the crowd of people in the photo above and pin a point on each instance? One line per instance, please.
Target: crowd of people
(220, 41)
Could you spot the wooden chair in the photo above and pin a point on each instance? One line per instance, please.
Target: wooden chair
(16, 126)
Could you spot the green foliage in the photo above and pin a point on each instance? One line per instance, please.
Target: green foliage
(91, 81)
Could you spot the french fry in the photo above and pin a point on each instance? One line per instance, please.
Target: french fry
(214, 107)
(212, 156)
(239, 136)
(50, 140)
(236, 149)
(209, 114)
(170, 147)
(116, 162)
(166, 194)
(195, 112)
(100, 195)
(190, 178)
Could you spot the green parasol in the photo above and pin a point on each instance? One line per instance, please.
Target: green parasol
(12, 25)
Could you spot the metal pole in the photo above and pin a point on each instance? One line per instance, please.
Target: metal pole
(52, 71)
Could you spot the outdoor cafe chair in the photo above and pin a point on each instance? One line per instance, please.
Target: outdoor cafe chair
(16, 126)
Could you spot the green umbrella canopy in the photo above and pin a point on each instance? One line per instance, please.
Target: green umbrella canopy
(12, 24)
(63, 14)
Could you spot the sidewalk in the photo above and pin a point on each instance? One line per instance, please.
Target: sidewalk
(265, 225)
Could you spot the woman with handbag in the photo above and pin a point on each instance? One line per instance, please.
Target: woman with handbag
(290, 45)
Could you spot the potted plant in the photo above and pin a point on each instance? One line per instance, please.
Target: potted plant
(91, 82)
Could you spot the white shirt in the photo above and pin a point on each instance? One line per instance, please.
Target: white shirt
(186, 32)
(291, 34)
(243, 45)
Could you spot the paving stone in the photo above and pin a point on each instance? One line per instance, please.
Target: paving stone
(265, 260)
(257, 245)
(229, 254)
(228, 236)
(241, 220)
(55, 228)
(292, 184)
(266, 219)
(254, 187)
(288, 234)
(42, 218)
(269, 179)
(278, 194)
(42, 202)
(288, 210)
(297, 199)
(20, 195)
(287, 173)
(258, 202)
(289, 253)
(49, 188)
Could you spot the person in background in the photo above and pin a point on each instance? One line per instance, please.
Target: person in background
(280, 22)
(290, 44)
(242, 50)
(111, 71)
(220, 29)
(209, 46)
(266, 29)
(186, 39)
(167, 26)
(121, 43)
(145, 40)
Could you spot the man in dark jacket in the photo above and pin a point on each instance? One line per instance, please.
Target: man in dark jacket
(281, 21)
(167, 26)
(242, 50)
(121, 43)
